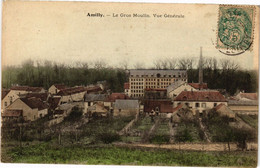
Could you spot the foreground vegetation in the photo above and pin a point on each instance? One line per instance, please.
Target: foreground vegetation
(111, 155)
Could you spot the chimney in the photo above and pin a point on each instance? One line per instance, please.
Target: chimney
(200, 70)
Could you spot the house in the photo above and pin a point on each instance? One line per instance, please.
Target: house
(246, 96)
(159, 107)
(42, 96)
(64, 109)
(155, 93)
(176, 88)
(126, 88)
(55, 88)
(224, 110)
(14, 115)
(198, 86)
(32, 108)
(91, 99)
(243, 106)
(94, 90)
(200, 101)
(110, 100)
(97, 109)
(181, 112)
(126, 107)
(9, 96)
(54, 102)
(74, 94)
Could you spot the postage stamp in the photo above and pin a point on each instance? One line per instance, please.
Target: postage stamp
(235, 29)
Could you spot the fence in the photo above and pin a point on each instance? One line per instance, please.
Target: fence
(128, 127)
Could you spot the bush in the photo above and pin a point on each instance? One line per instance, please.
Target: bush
(75, 114)
(160, 139)
(108, 137)
(184, 136)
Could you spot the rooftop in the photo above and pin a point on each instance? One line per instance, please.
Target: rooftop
(27, 88)
(94, 97)
(242, 103)
(60, 86)
(71, 90)
(33, 103)
(127, 104)
(207, 96)
(114, 96)
(199, 86)
(249, 96)
(4, 92)
(158, 73)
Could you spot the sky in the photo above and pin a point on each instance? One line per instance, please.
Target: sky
(62, 32)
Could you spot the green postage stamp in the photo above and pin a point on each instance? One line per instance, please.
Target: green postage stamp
(235, 29)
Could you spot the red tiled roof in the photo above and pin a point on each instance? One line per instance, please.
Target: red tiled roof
(208, 96)
(126, 85)
(155, 89)
(70, 91)
(177, 108)
(54, 102)
(27, 88)
(94, 89)
(114, 96)
(33, 103)
(42, 96)
(4, 92)
(60, 86)
(219, 106)
(251, 96)
(198, 86)
(12, 113)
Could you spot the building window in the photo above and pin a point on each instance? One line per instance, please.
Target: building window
(119, 110)
(215, 104)
(187, 104)
(5, 104)
(197, 105)
(203, 105)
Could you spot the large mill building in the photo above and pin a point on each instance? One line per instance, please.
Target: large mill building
(139, 80)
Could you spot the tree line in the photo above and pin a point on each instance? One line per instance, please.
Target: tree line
(222, 74)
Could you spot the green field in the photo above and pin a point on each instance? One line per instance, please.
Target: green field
(111, 155)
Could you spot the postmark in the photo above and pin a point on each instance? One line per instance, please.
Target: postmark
(235, 29)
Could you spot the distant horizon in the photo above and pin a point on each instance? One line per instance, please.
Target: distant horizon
(90, 65)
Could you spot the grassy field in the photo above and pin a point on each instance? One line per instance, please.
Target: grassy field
(111, 155)
(252, 120)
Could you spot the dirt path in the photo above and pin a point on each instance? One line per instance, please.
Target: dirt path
(191, 146)
(204, 130)
(172, 131)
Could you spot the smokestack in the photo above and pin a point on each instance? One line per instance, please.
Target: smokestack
(200, 69)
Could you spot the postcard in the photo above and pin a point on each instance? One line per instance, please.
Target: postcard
(98, 83)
